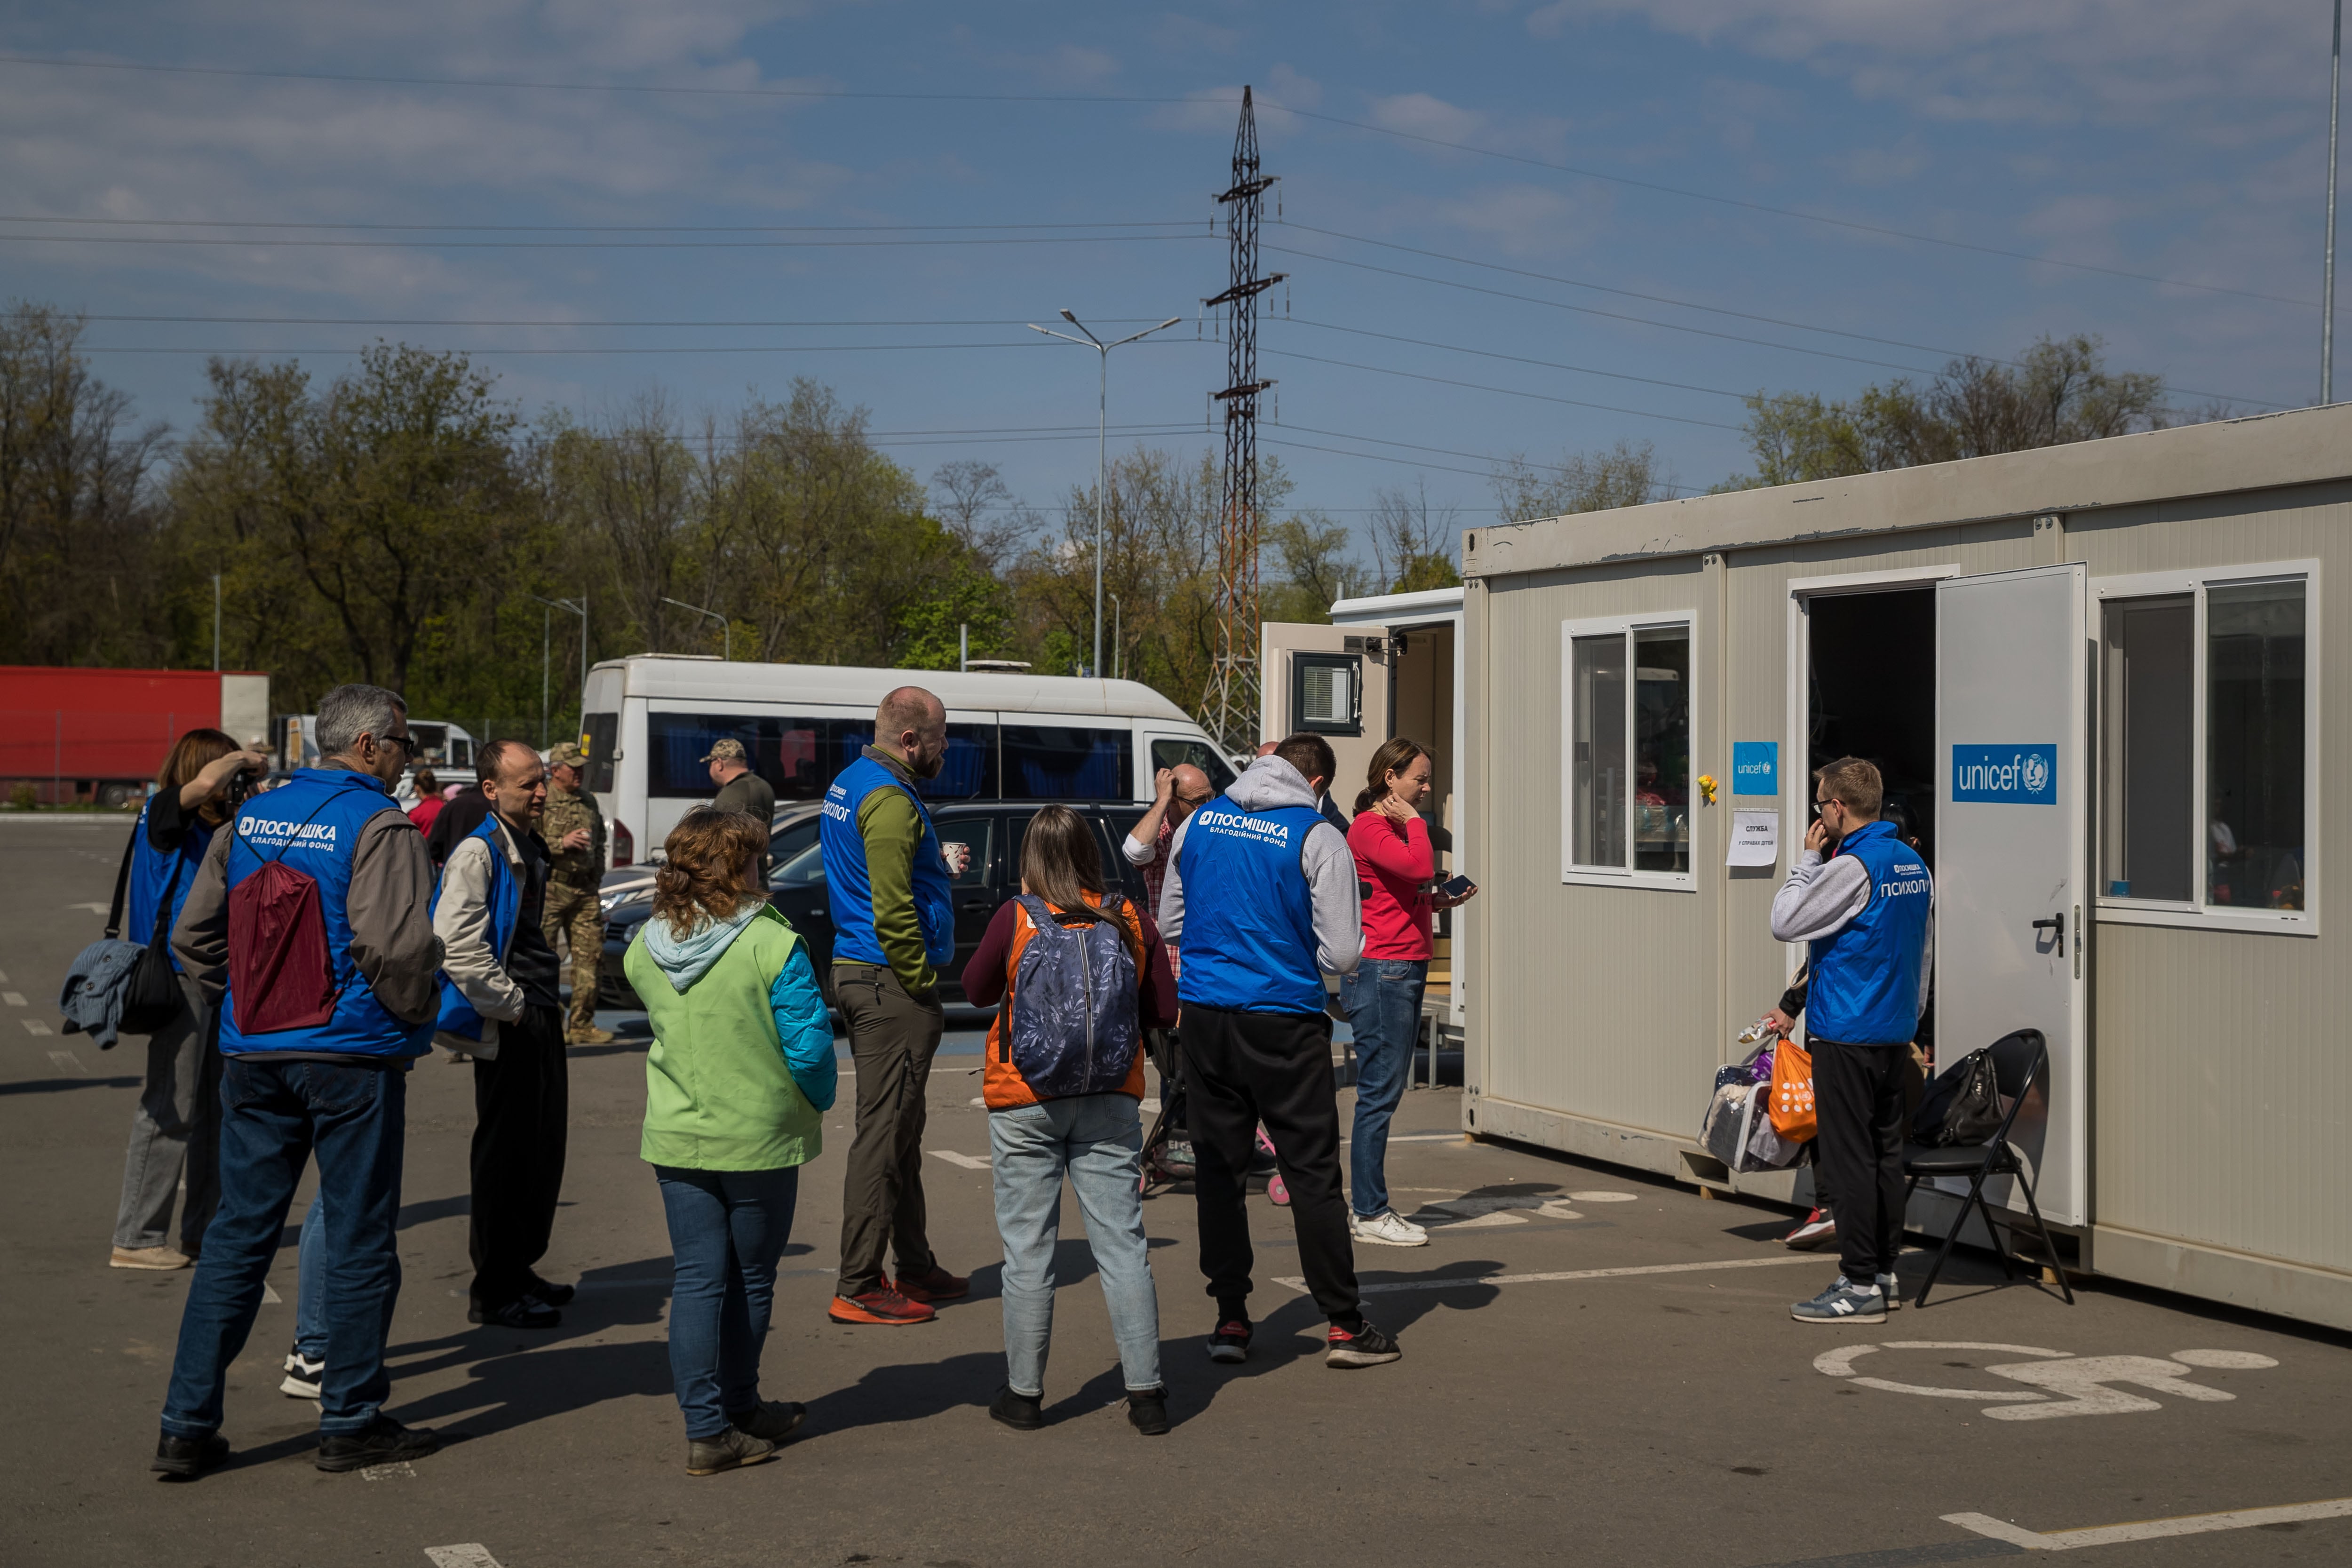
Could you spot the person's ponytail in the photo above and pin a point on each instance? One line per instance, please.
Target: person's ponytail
(1395, 754)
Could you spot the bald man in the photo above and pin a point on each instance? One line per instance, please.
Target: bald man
(1176, 794)
(889, 884)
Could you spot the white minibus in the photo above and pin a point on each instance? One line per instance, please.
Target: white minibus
(650, 720)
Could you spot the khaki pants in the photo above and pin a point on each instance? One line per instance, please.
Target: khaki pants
(570, 912)
(892, 1039)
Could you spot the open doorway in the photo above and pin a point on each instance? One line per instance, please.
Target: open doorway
(1871, 693)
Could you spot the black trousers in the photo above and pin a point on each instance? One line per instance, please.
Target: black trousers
(522, 1102)
(1858, 1093)
(1241, 1068)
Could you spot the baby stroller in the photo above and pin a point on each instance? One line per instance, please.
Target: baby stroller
(1167, 1146)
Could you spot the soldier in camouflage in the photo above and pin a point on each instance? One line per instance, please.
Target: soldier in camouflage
(574, 831)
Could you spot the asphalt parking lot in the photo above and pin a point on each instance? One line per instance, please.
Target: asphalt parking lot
(1599, 1368)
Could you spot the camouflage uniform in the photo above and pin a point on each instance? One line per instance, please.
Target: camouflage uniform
(573, 875)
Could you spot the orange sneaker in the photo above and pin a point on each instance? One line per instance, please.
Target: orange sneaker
(878, 1306)
(936, 1285)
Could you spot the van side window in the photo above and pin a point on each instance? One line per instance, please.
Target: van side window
(1167, 752)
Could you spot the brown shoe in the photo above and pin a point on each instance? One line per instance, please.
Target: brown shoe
(879, 1306)
(592, 1036)
(936, 1284)
(149, 1258)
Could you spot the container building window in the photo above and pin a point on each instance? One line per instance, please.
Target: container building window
(2205, 750)
(1626, 777)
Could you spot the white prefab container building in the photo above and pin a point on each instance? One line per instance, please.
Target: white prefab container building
(650, 720)
(2100, 682)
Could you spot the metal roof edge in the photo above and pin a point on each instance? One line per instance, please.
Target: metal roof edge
(2264, 451)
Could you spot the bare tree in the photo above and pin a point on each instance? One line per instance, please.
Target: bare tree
(1414, 541)
(980, 509)
(1627, 474)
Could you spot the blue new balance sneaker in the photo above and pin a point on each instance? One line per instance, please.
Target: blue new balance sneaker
(1844, 1302)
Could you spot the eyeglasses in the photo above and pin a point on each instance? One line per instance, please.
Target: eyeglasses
(408, 744)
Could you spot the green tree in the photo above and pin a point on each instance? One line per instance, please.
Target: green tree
(2058, 391)
(78, 526)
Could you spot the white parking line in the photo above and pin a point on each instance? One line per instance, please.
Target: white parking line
(65, 1061)
(2150, 1529)
(966, 1161)
(469, 1554)
(13, 998)
(1455, 1281)
(34, 1026)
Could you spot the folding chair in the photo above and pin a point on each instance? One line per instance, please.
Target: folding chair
(2019, 1062)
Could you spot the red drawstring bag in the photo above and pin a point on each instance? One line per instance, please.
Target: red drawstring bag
(278, 971)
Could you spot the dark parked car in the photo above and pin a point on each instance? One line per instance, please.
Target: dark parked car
(992, 829)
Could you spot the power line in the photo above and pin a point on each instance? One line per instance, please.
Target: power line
(1514, 359)
(583, 244)
(503, 322)
(1694, 305)
(493, 351)
(593, 227)
(1504, 391)
(635, 88)
(1657, 187)
(1794, 212)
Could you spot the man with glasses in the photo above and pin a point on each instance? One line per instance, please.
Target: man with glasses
(1868, 911)
(1176, 794)
(319, 1023)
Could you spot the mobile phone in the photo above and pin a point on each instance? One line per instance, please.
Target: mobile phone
(1459, 888)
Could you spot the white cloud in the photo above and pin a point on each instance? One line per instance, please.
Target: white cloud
(2041, 61)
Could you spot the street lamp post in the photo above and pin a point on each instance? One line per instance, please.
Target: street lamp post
(570, 606)
(1118, 638)
(1102, 432)
(726, 627)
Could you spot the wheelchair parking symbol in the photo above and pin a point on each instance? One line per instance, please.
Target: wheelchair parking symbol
(2058, 1382)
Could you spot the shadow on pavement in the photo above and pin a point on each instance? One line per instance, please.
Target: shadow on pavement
(56, 1085)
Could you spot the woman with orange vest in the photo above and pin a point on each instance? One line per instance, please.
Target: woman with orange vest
(1082, 974)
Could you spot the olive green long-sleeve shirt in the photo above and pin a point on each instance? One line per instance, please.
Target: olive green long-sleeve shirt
(894, 832)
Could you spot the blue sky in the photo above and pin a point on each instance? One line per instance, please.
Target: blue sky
(2179, 141)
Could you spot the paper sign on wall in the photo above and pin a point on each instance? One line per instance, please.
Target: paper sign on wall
(1754, 839)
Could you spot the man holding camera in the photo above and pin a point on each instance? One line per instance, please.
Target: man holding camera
(1868, 911)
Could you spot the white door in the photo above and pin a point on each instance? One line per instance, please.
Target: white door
(2011, 849)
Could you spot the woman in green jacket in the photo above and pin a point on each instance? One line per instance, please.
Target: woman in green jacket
(741, 1067)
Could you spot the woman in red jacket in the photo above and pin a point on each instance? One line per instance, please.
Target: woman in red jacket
(1396, 866)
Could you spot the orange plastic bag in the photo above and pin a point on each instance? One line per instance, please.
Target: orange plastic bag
(1793, 1092)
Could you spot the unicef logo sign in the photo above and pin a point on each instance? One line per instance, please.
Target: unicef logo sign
(2006, 775)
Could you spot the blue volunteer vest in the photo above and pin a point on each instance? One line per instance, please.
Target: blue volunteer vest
(1248, 940)
(1866, 979)
(456, 1015)
(312, 823)
(848, 886)
(151, 872)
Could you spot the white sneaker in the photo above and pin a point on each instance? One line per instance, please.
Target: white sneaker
(1387, 1228)
(302, 1376)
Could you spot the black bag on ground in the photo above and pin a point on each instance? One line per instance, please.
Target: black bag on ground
(150, 996)
(1962, 1107)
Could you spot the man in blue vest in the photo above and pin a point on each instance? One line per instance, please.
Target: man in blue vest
(887, 881)
(1261, 895)
(500, 1007)
(318, 1027)
(1869, 911)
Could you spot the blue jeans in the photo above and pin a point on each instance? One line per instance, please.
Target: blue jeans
(726, 1228)
(1097, 1141)
(1383, 1003)
(274, 1116)
(311, 1283)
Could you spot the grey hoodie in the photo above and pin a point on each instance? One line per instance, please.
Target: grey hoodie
(1329, 864)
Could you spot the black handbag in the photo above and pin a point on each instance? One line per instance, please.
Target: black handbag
(1962, 1107)
(150, 996)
